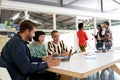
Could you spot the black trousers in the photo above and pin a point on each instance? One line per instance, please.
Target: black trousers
(44, 76)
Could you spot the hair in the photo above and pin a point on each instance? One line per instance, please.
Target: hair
(100, 30)
(107, 23)
(80, 26)
(37, 34)
(100, 27)
(27, 24)
(54, 31)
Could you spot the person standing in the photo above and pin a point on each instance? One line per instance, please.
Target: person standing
(16, 55)
(82, 37)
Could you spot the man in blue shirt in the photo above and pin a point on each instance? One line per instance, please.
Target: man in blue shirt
(16, 54)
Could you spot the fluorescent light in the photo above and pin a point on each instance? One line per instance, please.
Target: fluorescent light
(15, 16)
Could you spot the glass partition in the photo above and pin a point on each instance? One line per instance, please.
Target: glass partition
(115, 28)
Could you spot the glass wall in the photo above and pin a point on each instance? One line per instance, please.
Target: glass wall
(115, 27)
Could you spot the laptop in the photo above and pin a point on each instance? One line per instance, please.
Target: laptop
(63, 58)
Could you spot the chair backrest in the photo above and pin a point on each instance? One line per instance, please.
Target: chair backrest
(4, 75)
(2, 63)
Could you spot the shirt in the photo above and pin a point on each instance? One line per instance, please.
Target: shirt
(82, 37)
(19, 62)
(37, 50)
(58, 48)
(107, 32)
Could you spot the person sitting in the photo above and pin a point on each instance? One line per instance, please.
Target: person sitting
(57, 46)
(18, 61)
(37, 48)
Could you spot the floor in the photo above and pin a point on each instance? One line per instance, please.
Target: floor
(108, 75)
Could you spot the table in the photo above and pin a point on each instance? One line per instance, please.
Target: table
(81, 66)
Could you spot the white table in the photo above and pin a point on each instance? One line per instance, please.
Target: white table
(81, 66)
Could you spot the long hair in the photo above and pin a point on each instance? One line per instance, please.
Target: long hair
(100, 30)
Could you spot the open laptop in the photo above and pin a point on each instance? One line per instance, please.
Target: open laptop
(63, 58)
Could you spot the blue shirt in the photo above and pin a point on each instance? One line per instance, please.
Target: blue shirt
(19, 62)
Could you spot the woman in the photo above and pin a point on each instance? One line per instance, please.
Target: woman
(98, 37)
(37, 48)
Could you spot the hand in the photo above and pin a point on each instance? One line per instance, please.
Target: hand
(54, 53)
(54, 62)
(65, 54)
(47, 58)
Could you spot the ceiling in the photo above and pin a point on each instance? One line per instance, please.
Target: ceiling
(45, 20)
(86, 5)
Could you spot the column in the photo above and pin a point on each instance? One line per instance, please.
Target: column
(0, 6)
(26, 15)
(54, 21)
(76, 39)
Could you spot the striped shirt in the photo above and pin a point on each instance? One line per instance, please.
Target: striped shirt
(58, 48)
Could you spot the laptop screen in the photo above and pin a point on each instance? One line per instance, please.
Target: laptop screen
(70, 53)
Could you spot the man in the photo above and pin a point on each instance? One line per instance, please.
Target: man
(108, 36)
(57, 46)
(17, 57)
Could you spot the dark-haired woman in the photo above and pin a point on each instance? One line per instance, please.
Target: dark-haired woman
(98, 37)
(37, 48)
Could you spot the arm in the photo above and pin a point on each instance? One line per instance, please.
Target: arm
(23, 60)
(65, 50)
(64, 46)
(50, 49)
(86, 37)
(109, 34)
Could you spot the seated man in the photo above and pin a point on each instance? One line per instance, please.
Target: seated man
(18, 61)
(57, 46)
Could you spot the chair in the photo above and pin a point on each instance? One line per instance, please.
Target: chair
(4, 75)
